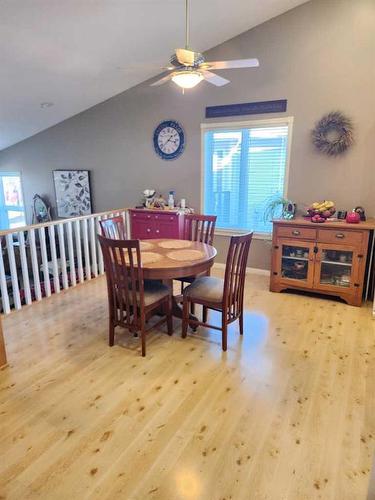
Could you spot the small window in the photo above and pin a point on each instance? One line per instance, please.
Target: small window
(12, 210)
(245, 167)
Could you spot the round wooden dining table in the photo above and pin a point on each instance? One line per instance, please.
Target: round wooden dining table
(168, 259)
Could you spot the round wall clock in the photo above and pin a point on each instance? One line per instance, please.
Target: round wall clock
(169, 140)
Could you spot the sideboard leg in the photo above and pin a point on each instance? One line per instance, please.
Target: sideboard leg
(352, 301)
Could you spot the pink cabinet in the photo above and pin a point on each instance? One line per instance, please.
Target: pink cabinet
(152, 224)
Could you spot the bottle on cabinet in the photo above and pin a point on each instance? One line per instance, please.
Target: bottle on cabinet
(171, 200)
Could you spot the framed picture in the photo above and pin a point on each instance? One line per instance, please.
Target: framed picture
(73, 195)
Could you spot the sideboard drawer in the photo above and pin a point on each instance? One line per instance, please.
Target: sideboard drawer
(340, 237)
(148, 215)
(172, 218)
(141, 216)
(305, 233)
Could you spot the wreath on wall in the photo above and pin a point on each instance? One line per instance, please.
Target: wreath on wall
(333, 134)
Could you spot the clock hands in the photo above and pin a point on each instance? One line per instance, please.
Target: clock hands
(168, 140)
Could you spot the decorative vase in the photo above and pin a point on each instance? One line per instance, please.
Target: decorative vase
(353, 218)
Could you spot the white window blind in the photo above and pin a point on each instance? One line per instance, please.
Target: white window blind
(244, 168)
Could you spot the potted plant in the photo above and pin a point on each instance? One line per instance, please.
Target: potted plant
(278, 206)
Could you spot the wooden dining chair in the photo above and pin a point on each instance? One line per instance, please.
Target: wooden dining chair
(132, 301)
(113, 228)
(198, 228)
(225, 295)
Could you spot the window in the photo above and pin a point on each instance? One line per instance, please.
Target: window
(12, 210)
(244, 167)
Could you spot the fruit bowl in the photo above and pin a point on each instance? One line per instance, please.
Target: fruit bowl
(317, 219)
(320, 211)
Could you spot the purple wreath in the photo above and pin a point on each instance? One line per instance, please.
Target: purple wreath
(333, 134)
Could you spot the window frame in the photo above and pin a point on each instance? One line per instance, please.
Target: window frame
(289, 120)
(12, 207)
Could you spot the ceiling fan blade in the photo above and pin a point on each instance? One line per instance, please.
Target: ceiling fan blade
(215, 79)
(236, 63)
(165, 79)
(187, 57)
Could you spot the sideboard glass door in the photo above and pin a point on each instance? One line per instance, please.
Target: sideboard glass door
(296, 262)
(335, 267)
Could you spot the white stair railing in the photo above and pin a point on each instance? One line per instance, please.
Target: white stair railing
(38, 260)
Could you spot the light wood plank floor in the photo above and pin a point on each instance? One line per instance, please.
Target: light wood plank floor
(287, 413)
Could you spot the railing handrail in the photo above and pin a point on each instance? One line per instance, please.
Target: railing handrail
(55, 222)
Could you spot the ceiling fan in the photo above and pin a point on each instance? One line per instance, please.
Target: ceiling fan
(188, 68)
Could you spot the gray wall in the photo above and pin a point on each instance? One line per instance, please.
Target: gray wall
(320, 56)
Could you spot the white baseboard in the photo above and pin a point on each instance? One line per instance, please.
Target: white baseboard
(249, 270)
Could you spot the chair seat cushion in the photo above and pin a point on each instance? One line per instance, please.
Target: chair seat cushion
(206, 288)
(154, 291)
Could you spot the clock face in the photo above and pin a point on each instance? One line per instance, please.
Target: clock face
(169, 140)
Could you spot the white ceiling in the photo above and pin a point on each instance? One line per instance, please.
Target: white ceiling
(77, 53)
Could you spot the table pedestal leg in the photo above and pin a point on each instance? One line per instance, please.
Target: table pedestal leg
(176, 308)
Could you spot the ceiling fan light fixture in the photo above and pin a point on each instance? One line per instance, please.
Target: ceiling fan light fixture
(187, 79)
(189, 67)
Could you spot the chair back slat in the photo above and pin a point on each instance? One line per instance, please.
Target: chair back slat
(235, 272)
(122, 262)
(200, 228)
(113, 228)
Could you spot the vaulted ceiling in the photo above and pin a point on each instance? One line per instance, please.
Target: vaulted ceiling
(78, 53)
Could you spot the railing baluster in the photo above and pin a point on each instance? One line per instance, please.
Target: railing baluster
(43, 249)
(86, 249)
(72, 265)
(13, 271)
(25, 268)
(77, 233)
(55, 266)
(35, 265)
(94, 263)
(100, 255)
(3, 283)
(64, 274)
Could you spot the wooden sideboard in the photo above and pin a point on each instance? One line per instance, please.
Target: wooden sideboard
(151, 224)
(328, 258)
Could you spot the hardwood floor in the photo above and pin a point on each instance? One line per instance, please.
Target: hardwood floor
(288, 412)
